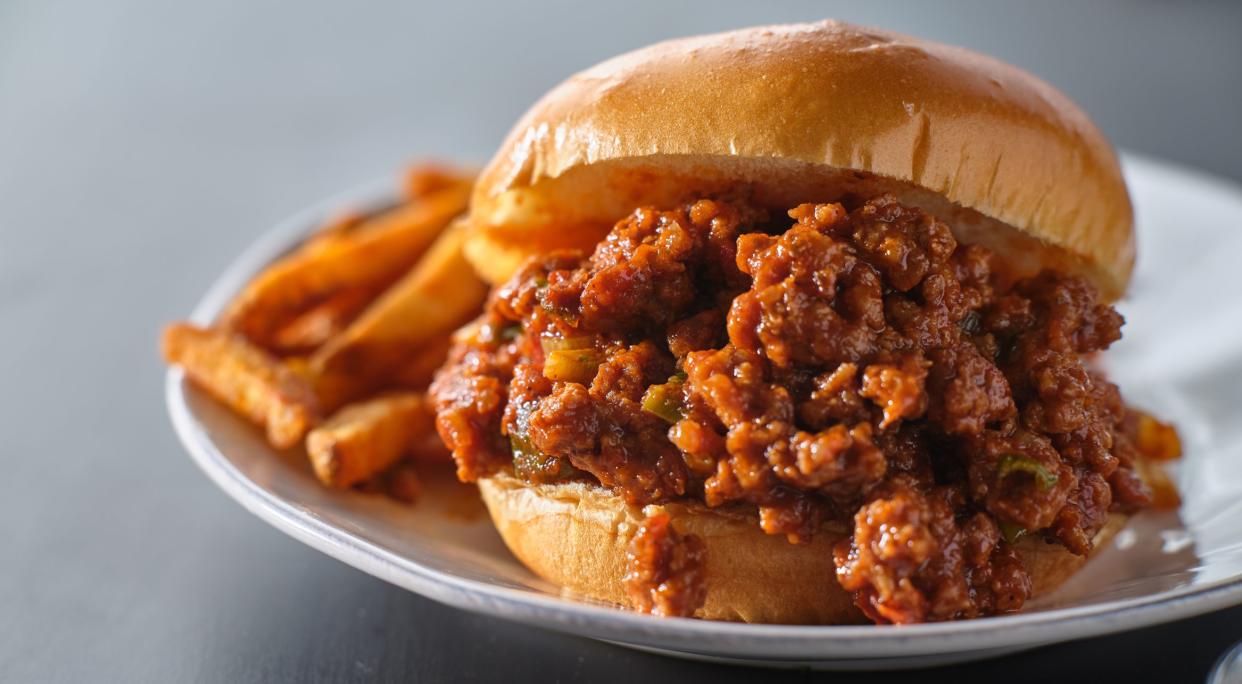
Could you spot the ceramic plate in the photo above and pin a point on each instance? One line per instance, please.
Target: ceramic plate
(1181, 358)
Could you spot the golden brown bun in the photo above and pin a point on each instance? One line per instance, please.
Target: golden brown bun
(788, 114)
(575, 535)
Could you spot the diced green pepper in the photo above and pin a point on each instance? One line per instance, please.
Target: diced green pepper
(531, 464)
(551, 344)
(666, 401)
(510, 332)
(1012, 463)
(571, 365)
(1011, 532)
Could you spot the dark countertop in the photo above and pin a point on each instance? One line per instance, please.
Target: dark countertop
(144, 144)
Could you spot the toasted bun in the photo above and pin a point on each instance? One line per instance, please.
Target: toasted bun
(781, 115)
(575, 535)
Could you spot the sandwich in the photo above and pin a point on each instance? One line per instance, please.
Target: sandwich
(800, 324)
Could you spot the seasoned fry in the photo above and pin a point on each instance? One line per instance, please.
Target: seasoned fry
(250, 381)
(313, 328)
(401, 483)
(439, 294)
(335, 389)
(363, 439)
(335, 229)
(352, 325)
(417, 372)
(1164, 493)
(368, 257)
(431, 449)
(426, 179)
(1157, 439)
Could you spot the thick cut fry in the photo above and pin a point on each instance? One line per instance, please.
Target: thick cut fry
(334, 229)
(439, 294)
(250, 381)
(413, 373)
(425, 179)
(431, 449)
(363, 439)
(418, 371)
(1164, 494)
(368, 257)
(401, 483)
(311, 329)
(1156, 439)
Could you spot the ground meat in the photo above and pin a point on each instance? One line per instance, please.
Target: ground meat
(603, 431)
(471, 397)
(967, 390)
(853, 364)
(897, 390)
(665, 571)
(791, 314)
(911, 560)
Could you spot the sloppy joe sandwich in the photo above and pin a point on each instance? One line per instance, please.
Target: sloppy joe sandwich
(799, 324)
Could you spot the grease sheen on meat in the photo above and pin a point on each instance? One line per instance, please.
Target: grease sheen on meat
(853, 364)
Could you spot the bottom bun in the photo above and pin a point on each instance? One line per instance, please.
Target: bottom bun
(576, 535)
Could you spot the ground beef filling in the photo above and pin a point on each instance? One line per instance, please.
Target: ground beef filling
(665, 569)
(855, 364)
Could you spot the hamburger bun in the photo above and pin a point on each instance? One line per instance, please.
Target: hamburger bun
(810, 113)
(575, 535)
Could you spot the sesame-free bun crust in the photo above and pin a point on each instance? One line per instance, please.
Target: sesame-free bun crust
(575, 535)
(781, 115)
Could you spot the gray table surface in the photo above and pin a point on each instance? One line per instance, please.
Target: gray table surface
(143, 144)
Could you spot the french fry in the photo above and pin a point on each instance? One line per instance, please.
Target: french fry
(335, 229)
(418, 371)
(431, 449)
(436, 296)
(311, 329)
(363, 439)
(401, 483)
(367, 257)
(413, 373)
(245, 378)
(1156, 439)
(1164, 494)
(366, 305)
(425, 179)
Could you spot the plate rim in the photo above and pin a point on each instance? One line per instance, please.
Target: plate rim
(784, 643)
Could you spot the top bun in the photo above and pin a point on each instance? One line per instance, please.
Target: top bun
(781, 115)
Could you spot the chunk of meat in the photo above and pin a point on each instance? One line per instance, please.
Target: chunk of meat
(665, 571)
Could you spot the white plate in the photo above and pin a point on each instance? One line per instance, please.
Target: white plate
(1181, 357)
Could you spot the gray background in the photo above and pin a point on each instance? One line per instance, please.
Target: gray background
(144, 144)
